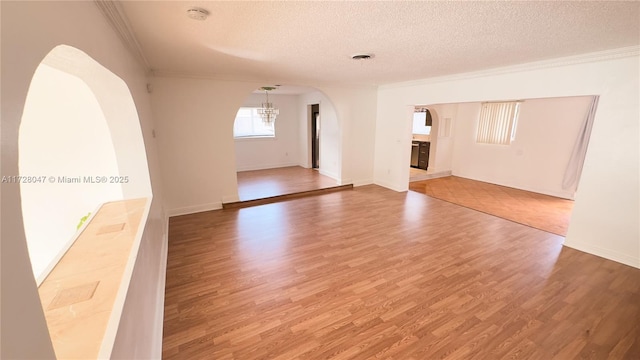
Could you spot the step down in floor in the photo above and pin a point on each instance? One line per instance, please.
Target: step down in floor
(285, 197)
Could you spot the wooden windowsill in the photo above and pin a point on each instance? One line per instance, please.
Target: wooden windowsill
(83, 295)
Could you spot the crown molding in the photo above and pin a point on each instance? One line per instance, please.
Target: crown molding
(208, 76)
(116, 17)
(605, 55)
(255, 80)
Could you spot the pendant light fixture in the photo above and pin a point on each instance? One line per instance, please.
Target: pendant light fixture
(267, 112)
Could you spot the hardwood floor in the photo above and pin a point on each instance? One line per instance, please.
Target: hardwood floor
(372, 273)
(259, 184)
(540, 211)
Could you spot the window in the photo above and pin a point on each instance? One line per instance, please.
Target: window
(249, 124)
(419, 127)
(497, 123)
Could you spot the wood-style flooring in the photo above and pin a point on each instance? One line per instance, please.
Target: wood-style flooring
(260, 184)
(540, 211)
(376, 274)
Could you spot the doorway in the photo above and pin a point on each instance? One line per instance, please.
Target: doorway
(289, 162)
(315, 136)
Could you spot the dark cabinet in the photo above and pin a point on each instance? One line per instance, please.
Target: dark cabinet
(428, 121)
(420, 154)
(423, 157)
(415, 153)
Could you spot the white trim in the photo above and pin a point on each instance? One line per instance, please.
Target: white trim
(559, 194)
(109, 338)
(206, 76)
(265, 166)
(390, 186)
(254, 138)
(605, 253)
(362, 182)
(230, 199)
(344, 182)
(158, 321)
(329, 174)
(117, 18)
(258, 81)
(194, 209)
(605, 55)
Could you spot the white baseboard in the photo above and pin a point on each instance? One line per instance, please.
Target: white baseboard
(433, 175)
(250, 167)
(605, 253)
(345, 182)
(230, 198)
(194, 209)
(392, 186)
(363, 182)
(159, 314)
(560, 194)
(329, 174)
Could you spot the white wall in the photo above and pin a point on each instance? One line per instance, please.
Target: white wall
(536, 160)
(194, 120)
(356, 113)
(267, 153)
(441, 155)
(63, 133)
(606, 212)
(30, 30)
(330, 148)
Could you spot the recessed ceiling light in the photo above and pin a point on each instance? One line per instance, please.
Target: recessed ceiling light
(197, 13)
(362, 56)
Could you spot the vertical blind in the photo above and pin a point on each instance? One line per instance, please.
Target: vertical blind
(497, 122)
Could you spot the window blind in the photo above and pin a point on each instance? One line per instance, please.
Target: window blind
(497, 122)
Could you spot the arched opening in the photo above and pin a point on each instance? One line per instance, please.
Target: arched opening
(80, 146)
(283, 164)
(86, 193)
(430, 143)
(64, 139)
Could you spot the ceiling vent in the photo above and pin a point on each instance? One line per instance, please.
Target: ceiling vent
(197, 13)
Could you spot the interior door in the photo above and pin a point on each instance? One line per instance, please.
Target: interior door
(315, 136)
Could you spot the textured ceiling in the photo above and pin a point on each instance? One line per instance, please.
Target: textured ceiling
(306, 43)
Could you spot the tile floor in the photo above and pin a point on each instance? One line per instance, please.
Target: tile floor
(540, 211)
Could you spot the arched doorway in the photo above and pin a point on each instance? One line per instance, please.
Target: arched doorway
(282, 163)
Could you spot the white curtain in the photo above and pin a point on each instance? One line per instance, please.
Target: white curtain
(574, 168)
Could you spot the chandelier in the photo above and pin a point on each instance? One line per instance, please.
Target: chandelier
(267, 112)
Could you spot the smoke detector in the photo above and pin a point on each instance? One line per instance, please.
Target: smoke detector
(197, 13)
